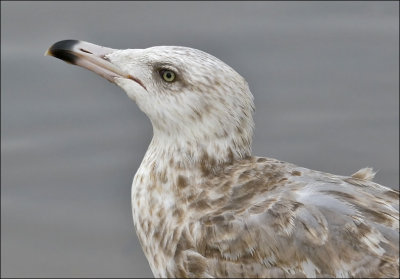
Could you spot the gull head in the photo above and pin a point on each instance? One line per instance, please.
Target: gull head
(188, 95)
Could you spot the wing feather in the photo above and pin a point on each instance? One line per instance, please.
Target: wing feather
(279, 220)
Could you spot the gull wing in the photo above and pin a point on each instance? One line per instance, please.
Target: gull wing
(266, 218)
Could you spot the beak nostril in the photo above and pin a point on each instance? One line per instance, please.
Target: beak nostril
(84, 50)
(105, 58)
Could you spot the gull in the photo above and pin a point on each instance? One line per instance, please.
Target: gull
(204, 206)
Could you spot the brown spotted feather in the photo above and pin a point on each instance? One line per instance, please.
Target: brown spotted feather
(261, 228)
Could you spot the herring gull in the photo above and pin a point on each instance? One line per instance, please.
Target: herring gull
(203, 206)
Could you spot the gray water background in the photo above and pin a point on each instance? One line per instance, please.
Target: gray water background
(324, 77)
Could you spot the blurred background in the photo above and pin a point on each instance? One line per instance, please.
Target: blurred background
(326, 87)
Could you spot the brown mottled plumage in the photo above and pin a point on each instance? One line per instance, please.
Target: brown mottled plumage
(204, 207)
(259, 217)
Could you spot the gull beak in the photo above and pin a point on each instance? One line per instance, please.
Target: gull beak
(88, 56)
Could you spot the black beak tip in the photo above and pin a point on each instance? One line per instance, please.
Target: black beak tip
(63, 50)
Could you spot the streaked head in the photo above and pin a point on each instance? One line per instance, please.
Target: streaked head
(186, 93)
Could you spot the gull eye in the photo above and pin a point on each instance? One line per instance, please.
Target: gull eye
(167, 75)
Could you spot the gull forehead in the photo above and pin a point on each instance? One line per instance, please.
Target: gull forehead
(194, 64)
(177, 54)
(169, 54)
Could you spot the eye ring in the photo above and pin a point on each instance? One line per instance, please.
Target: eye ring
(167, 75)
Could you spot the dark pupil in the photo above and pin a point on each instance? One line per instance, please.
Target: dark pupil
(168, 74)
